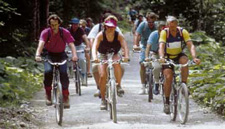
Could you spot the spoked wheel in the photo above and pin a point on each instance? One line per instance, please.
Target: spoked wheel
(77, 80)
(173, 104)
(58, 100)
(113, 111)
(183, 103)
(150, 86)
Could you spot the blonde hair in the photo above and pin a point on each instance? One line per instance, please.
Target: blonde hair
(111, 17)
(83, 22)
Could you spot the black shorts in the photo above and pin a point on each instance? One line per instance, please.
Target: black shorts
(176, 60)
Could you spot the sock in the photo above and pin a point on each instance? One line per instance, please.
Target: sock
(167, 100)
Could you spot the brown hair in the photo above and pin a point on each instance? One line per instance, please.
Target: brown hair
(151, 15)
(55, 17)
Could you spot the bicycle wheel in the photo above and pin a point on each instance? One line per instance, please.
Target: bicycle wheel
(113, 110)
(183, 103)
(150, 85)
(77, 80)
(173, 103)
(58, 97)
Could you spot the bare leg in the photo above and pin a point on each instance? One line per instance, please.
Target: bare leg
(102, 81)
(184, 70)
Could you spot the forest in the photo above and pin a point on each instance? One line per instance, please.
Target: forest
(21, 22)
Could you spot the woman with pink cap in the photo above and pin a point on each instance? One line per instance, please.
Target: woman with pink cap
(108, 40)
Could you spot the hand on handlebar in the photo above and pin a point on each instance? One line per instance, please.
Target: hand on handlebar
(147, 59)
(136, 48)
(197, 61)
(125, 59)
(95, 61)
(162, 60)
(87, 49)
(74, 58)
(38, 58)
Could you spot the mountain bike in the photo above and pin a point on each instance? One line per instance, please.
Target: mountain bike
(57, 90)
(179, 100)
(111, 88)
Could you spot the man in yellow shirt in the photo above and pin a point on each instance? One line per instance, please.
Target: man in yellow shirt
(171, 40)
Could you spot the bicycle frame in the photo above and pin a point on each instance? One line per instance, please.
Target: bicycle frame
(57, 90)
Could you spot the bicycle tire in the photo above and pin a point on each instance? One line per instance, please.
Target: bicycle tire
(77, 80)
(58, 103)
(113, 103)
(173, 103)
(150, 86)
(183, 103)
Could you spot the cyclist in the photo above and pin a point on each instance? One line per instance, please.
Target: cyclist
(80, 38)
(83, 25)
(91, 36)
(153, 47)
(136, 24)
(171, 41)
(143, 32)
(90, 23)
(132, 15)
(108, 40)
(51, 39)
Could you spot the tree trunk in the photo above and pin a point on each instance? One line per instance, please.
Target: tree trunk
(34, 23)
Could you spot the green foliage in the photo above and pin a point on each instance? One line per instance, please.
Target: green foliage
(208, 83)
(20, 79)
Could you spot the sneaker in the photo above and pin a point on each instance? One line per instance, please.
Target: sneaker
(156, 89)
(66, 102)
(97, 93)
(89, 75)
(167, 108)
(103, 105)
(142, 91)
(48, 100)
(120, 91)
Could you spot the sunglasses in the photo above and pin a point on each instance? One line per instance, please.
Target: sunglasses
(150, 22)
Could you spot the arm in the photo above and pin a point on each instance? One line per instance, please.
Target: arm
(96, 45)
(39, 50)
(147, 51)
(74, 53)
(137, 38)
(87, 43)
(124, 46)
(161, 50)
(191, 48)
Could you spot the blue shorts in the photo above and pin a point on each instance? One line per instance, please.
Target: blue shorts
(142, 55)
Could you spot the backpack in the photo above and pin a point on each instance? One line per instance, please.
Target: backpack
(183, 44)
(100, 27)
(60, 32)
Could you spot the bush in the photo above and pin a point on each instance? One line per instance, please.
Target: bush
(20, 79)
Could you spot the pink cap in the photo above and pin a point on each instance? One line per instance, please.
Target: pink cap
(111, 23)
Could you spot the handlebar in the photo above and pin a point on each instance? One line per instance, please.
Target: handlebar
(55, 63)
(171, 62)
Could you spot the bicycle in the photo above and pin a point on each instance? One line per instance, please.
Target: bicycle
(76, 77)
(179, 100)
(149, 78)
(111, 89)
(57, 90)
(82, 65)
